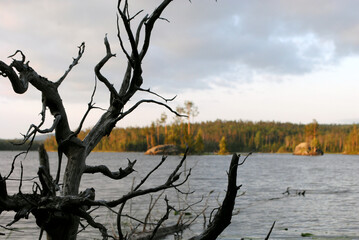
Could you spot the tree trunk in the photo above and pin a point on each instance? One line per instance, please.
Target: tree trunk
(64, 225)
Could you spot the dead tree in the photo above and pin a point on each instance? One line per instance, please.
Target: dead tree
(59, 214)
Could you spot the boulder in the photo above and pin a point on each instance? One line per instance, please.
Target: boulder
(305, 150)
(165, 149)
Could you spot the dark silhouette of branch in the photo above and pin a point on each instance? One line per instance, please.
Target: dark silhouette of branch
(36, 129)
(73, 64)
(12, 168)
(150, 24)
(22, 55)
(124, 114)
(19, 85)
(83, 214)
(149, 91)
(99, 66)
(150, 208)
(121, 173)
(164, 218)
(149, 174)
(224, 214)
(131, 37)
(270, 231)
(129, 59)
(90, 106)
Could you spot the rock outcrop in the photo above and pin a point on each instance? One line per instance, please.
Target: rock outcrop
(166, 149)
(305, 149)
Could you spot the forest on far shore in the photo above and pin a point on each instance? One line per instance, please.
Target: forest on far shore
(14, 145)
(235, 136)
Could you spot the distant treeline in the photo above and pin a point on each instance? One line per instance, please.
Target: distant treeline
(12, 145)
(240, 136)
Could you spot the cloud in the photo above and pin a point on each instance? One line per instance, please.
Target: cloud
(204, 42)
(271, 37)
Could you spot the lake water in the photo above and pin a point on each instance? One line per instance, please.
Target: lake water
(328, 210)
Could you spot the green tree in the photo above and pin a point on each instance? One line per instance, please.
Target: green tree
(351, 145)
(199, 143)
(311, 130)
(258, 140)
(163, 121)
(314, 144)
(152, 135)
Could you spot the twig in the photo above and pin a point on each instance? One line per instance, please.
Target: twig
(90, 106)
(270, 231)
(149, 174)
(150, 208)
(74, 63)
(164, 218)
(147, 101)
(156, 94)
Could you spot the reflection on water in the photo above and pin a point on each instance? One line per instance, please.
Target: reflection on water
(328, 209)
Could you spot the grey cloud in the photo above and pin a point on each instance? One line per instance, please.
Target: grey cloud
(251, 32)
(205, 40)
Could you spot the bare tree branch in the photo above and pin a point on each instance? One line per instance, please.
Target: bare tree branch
(128, 73)
(90, 220)
(129, 59)
(164, 218)
(270, 231)
(149, 26)
(13, 164)
(149, 91)
(149, 174)
(22, 55)
(74, 63)
(90, 106)
(124, 114)
(36, 129)
(121, 173)
(134, 16)
(19, 85)
(99, 66)
(224, 214)
(130, 35)
(150, 208)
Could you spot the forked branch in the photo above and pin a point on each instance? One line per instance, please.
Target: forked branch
(99, 66)
(150, 24)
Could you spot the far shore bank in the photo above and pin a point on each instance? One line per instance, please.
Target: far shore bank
(204, 154)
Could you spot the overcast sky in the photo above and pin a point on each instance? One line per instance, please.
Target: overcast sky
(287, 61)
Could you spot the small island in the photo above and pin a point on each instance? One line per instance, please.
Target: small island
(305, 149)
(166, 149)
(312, 146)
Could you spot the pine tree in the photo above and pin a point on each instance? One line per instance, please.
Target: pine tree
(199, 143)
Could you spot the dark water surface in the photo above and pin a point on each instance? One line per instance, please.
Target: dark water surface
(329, 208)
